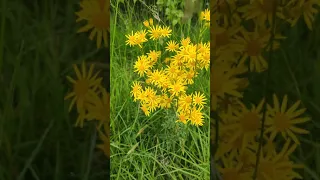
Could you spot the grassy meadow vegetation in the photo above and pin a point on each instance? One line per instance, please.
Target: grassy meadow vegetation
(155, 146)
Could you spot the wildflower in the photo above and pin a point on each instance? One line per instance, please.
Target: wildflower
(98, 108)
(131, 39)
(155, 32)
(186, 41)
(262, 11)
(141, 65)
(105, 137)
(146, 23)
(222, 83)
(140, 37)
(231, 170)
(199, 99)
(183, 117)
(278, 167)
(196, 117)
(253, 44)
(205, 15)
(97, 18)
(151, 22)
(177, 88)
(302, 8)
(145, 109)
(282, 120)
(184, 102)
(165, 31)
(172, 46)
(165, 101)
(136, 90)
(247, 123)
(154, 55)
(84, 87)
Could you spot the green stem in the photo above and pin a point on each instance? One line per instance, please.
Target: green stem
(266, 85)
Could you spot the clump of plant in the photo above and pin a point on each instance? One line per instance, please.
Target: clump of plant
(166, 73)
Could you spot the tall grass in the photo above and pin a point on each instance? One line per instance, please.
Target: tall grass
(38, 44)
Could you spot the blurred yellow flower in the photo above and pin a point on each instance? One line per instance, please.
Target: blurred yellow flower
(96, 13)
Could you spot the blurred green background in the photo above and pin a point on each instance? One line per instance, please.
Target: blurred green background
(38, 45)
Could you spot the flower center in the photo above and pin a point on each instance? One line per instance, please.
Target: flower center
(250, 122)
(222, 39)
(101, 21)
(281, 122)
(254, 48)
(81, 87)
(267, 6)
(267, 169)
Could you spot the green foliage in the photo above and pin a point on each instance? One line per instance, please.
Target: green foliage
(173, 10)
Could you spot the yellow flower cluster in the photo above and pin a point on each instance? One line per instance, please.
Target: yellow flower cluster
(241, 32)
(164, 82)
(90, 97)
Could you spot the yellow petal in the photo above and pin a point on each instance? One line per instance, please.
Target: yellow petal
(77, 71)
(300, 120)
(284, 104)
(85, 28)
(299, 130)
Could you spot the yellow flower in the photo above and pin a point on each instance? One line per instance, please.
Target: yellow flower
(146, 23)
(145, 109)
(246, 124)
(189, 75)
(231, 170)
(282, 120)
(172, 46)
(155, 32)
(196, 117)
(165, 31)
(186, 41)
(84, 87)
(105, 137)
(156, 78)
(151, 21)
(140, 37)
(96, 13)
(261, 11)
(136, 90)
(222, 83)
(184, 102)
(253, 44)
(278, 166)
(131, 39)
(205, 15)
(183, 117)
(199, 99)
(137, 38)
(141, 65)
(165, 101)
(296, 9)
(154, 55)
(99, 108)
(177, 88)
